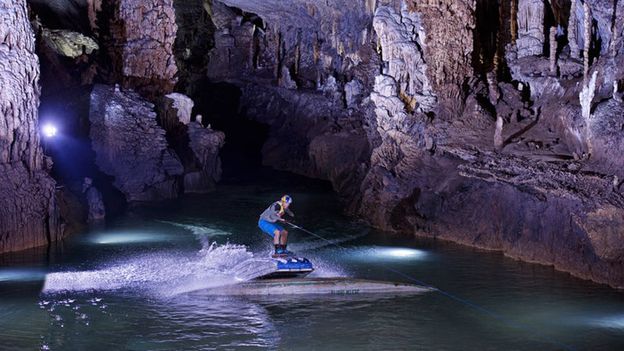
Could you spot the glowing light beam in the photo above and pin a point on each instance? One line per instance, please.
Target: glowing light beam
(49, 130)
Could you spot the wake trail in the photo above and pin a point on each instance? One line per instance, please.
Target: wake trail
(167, 274)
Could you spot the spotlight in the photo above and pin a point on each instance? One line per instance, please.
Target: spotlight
(49, 130)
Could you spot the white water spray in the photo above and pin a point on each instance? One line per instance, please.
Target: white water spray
(166, 274)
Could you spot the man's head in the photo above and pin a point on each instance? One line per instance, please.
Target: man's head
(286, 201)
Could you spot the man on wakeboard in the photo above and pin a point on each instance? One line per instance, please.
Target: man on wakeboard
(268, 222)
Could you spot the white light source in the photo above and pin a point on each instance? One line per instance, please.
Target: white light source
(49, 130)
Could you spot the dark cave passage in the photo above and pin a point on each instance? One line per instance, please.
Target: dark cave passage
(219, 106)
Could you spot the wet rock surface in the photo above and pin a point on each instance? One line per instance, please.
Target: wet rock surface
(130, 146)
(206, 144)
(28, 210)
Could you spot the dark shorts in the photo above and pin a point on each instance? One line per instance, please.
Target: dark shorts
(269, 227)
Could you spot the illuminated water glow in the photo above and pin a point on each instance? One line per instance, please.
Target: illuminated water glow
(613, 322)
(129, 238)
(390, 253)
(21, 275)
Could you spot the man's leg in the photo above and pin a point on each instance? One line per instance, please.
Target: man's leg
(283, 240)
(276, 237)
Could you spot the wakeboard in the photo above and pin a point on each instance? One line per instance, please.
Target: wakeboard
(289, 266)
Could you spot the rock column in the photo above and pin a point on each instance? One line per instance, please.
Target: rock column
(28, 211)
(572, 31)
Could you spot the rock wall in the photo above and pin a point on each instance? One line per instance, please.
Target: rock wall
(531, 38)
(130, 146)
(205, 144)
(140, 41)
(28, 211)
(441, 142)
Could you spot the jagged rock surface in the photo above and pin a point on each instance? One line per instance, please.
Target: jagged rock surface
(28, 211)
(429, 164)
(402, 49)
(531, 36)
(130, 146)
(143, 35)
(68, 43)
(206, 144)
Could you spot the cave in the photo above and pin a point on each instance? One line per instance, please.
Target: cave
(393, 174)
(220, 105)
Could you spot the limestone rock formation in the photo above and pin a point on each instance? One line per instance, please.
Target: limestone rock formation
(68, 43)
(531, 36)
(28, 211)
(449, 49)
(143, 36)
(95, 204)
(206, 144)
(401, 36)
(130, 146)
(183, 106)
(197, 147)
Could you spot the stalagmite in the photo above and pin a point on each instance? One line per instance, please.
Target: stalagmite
(572, 31)
(616, 95)
(587, 41)
(493, 91)
(498, 133)
(587, 95)
(553, 50)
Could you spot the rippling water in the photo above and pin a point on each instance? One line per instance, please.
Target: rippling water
(139, 284)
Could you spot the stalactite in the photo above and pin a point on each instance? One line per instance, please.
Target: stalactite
(587, 41)
(279, 56)
(298, 53)
(615, 30)
(93, 8)
(514, 20)
(572, 31)
(502, 35)
(553, 50)
(316, 49)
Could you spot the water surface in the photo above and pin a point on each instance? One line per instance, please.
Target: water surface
(136, 284)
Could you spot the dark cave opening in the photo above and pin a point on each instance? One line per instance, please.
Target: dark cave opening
(62, 14)
(486, 35)
(220, 106)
